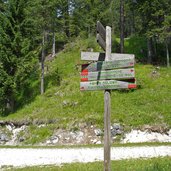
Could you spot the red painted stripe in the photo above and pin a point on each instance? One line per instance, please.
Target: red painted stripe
(132, 86)
(84, 79)
(85, 72)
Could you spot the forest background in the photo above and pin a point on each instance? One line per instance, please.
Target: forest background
(31, 31)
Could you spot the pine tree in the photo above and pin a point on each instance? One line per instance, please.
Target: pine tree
(16, 58)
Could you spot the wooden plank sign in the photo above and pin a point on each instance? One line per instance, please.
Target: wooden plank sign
(101, 30)
(119, 74)
(97, 56)
(101, 42)
(106, 84)
(106, 65)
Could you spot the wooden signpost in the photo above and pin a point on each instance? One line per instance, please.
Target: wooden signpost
(106, 65)
(107, 71)
(119, 74)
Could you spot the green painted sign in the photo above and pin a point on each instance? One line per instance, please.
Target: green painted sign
(106, 85)
(106, 65)
(118, 74)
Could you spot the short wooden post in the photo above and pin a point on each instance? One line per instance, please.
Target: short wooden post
(107, 109)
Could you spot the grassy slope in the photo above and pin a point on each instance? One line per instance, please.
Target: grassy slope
(150, 104)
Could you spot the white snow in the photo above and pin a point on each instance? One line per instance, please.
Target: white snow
(32, 157)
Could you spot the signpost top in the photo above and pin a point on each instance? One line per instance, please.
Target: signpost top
(101, 30)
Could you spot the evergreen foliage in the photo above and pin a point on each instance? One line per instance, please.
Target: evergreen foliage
(16, 53)
(29, 30)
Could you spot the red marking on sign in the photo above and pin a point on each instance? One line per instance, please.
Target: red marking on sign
(84, 73)
(84, 79)
(132, 70)
(85, 70)
(132, 86)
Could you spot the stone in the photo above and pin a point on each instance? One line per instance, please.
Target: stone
(54, 141)
(169, 133)
(116, 129)
(113, 132)
(65, 103)
(98, 142)
(3, 137)
(116, 126)
(94, 141)
(48, 142)
(21, 139)
(98, 132)
(79, 136)
(9, 127)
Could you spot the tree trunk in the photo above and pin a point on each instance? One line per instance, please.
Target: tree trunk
(54, 45)
(42, 64)
(167, 52)
(9, 105)
(122, 26)
(133, 21)
(66, 19)
(149, 47)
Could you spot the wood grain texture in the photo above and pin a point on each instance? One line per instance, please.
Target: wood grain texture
(106, 84)
(100, 56)
(107, 65)
(119, 74)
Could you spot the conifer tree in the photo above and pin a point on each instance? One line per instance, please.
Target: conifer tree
(16, 57)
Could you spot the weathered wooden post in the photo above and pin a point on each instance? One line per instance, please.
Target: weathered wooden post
(111, 71)
(107, 111)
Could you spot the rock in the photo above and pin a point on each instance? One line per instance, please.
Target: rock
(79, 136)
(48, 142)
(116, 129)
(169, 133)
(21, 139)
(74, 103)
(98, 132)
(42, 125)
(117, 126)
(55, 140)
(3, 137)
(113, 132)
(65, 103)
(98, 142)
(94, 141)
(10, 127)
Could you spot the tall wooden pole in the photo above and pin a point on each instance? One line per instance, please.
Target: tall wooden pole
(107, 109)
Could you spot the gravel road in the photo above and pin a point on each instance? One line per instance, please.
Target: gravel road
(32, 157)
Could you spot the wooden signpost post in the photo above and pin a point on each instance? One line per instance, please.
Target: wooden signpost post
(109, 71)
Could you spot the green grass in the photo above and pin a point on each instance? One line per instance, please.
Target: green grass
(64, 103)
(155, 164)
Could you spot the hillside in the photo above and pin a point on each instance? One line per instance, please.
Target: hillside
(63, 101)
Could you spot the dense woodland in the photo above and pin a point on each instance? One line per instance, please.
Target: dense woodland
(30, 30)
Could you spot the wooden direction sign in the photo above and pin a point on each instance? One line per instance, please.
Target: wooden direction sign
(101, 35)
(106, 85)
(101, 30)
(101, 42)
(119, 74)
(106, 65)
(96, 56)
